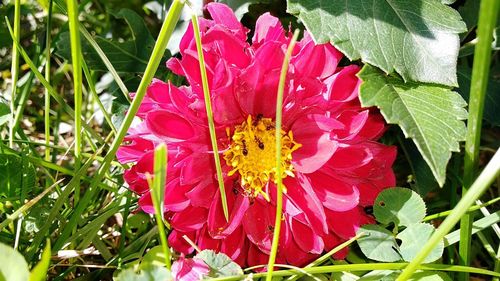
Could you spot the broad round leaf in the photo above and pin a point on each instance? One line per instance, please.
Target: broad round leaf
(379, 243)
(13, 267)
(220, 264)
(400, 206)
(411, 242)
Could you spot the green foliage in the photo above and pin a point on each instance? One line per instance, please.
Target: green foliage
(39, 272)
(416, 38)
(379, 243)
(128, 56)
(492, 99)
(13, 267)
(4, 113)
(403, 208)
(220, 264)
(431, 115)
(18, 176)
(399, 206)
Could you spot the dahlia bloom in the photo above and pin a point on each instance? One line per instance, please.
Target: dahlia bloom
(333, 168)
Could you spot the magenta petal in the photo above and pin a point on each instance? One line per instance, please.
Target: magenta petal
(218, 227)
(301, 193)
(134, 149)
(296, 256)
(189, 269)
(317, 147)
(202, 194)
(175, 196)
(192, 218)
(345, 224)
(306, 239)
(353, 121)
(235, 246)
(259, 224)
(268, 28)
(159, 91)
(318, 61)
(223, 15)
(180, 244)
(205, 241)
(169, 125)
(336, 195)
(345, 85)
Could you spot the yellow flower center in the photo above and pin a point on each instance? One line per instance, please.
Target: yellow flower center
(252, 154)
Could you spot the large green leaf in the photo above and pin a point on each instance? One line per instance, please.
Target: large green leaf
(416, 38)
(147, 272)
(127, 56)
(378, 243)
(400, 206)
(411, 242)
(13, 267)
(220, 264)
(429, 114)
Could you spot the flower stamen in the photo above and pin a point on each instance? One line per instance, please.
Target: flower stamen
(252, 154)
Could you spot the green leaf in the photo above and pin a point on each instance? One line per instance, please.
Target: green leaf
(400, 206)
(429, 114)
(128, 56)
(479, 225)
(492, 99)
(416, 38)
(380, 275)
(378, 244)
(411, 242)
(18, 176)
(39, 272)
(148, 272)
(13, 267)
(220, 264)
(4, 113)
(154, 256)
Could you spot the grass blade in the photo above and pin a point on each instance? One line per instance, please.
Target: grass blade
(210, 115)
(279, 185)
(157, 190)
(46, 118)
(488, 13)
(14, 68)
(77, 82)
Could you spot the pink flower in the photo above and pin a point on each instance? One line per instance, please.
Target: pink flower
(189, 269)
(333, 166)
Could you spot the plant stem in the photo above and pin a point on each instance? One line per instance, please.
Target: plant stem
(279, 178)
(77, 83)
(363, 267)
(210, 114)
(482, 183)
(14, 68)
(488, 13)
(47, 77)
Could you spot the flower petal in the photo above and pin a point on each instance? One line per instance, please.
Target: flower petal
(335, 194)
(169, 126)
(313, 133)
(237, 205)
